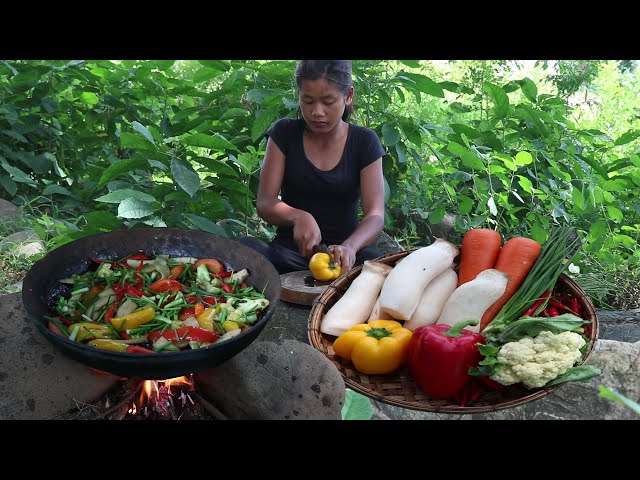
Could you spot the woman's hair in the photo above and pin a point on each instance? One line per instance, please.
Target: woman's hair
(337, 72)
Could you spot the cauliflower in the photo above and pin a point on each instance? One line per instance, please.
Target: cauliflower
(534, 361)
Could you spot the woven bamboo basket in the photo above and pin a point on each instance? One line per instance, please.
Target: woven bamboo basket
(399, 388)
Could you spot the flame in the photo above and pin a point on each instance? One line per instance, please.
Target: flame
(150, 391)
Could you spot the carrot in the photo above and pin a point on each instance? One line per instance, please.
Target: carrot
(480, 249)
(516, 259)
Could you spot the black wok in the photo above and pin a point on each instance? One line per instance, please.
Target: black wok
(41, 285)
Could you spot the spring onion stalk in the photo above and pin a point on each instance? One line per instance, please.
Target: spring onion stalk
(556, 253)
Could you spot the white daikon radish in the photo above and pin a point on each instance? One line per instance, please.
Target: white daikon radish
(471, 299)
(377, 314)
(356, 304)
(403, 287)
(433, 298)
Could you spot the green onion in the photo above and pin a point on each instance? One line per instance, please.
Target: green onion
(556, 253)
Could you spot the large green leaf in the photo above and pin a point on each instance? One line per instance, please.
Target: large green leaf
(213, 142)
(205, 74)
(144, 131)
(8, 184)
(424, 84)
(529, 89)
(119, 168)
(18, 175)
(356, 406)
(118, 196)
(202, 223)
(133, 208)
(53, 188)
(500, 99)
(264, 119)
(390, 135)
(185, 176)
(627, 137)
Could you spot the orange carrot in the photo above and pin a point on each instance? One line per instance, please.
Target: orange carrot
(479, 252)
(516, 259)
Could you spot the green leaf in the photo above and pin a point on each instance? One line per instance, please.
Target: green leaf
(157, 164)
(390, 135)
(525, 184)
(202, 223)
(400, 151)
(118, 196)
(215, 64)
(411, 63)
(538, 232)
(133, 208)
(471, 160)
(130, 140)
(581, 373)
(356, 406)
(529, 89)
(120, 167)
(213, 142)
(185, 176)
(89, 98)
(18, 175)
(264, 119)
(425, 84)
(53, 188)
(436, 215)
(101, 221)
(163, 64)
(461, 128)
(9, 185)
(604, 392)
(492, 206)
(523, 158)
(15, 135)
(614, 213)
(598, 229)
(500, 99)
(465, 204)
(635, 159)
(144, 131)
(617, 185)
(456, 148)
(233, 113)
(205, 74)
(628, 137)
(577, 197)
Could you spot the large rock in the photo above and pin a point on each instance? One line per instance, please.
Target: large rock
(620, 365)
(8, 211)
(25, 242)
(275, 381)
(37, 382)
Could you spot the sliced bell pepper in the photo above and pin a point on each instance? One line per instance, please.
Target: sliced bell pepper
(118, 346)
(213, 265)
(89, 331)
(134, 319)
(377, 347)
(166, 285)
(188, 334)
(323, 267)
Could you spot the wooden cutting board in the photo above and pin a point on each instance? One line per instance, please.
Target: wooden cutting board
(301, 288)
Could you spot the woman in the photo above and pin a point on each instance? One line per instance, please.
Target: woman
(315, 171)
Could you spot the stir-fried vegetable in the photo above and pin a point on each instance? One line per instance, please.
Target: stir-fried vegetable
(158, 304)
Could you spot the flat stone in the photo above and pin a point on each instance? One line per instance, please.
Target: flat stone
(275, 381)
(37, 382)
(16, 240)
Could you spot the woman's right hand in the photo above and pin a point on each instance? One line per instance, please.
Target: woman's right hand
(306, 233)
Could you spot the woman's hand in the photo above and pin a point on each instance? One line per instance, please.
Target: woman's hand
(344, 255)
(306, 233)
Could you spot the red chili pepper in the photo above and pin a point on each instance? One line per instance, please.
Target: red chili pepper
(124, 335)
(222, 274)
(135, 291)
(111, 311)
(227, 288)
(575, 306)
(440, 357)
(491, 383)
(192, 300)
(65, 321)
(553, 312)
(97, 260)
(529, 311)
(557, 304)
(189, 334)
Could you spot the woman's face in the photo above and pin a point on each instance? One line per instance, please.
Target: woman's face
(322, 104)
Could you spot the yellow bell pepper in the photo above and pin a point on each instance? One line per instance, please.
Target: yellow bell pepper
(134, 319)
(377, 347)
(89, 331)
(323, 267)
(205, 319)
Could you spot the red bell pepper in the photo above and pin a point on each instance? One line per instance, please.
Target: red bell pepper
(440, 357)
(188, 334)
(165, 285)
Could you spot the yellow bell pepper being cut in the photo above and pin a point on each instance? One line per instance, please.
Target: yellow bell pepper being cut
(134, 319)
(323, 267)
(377, 347)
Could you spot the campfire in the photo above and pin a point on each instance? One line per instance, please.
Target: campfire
(140, 399)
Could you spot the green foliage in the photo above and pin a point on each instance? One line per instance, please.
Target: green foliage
(108, 144)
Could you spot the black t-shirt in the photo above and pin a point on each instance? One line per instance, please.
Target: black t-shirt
(332, 197)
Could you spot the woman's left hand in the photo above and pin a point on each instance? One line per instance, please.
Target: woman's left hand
(344, 255)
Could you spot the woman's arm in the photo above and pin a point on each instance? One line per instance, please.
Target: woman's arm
(369, 228)
(306, 232)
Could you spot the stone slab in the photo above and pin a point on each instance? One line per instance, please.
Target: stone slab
(37, 382)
